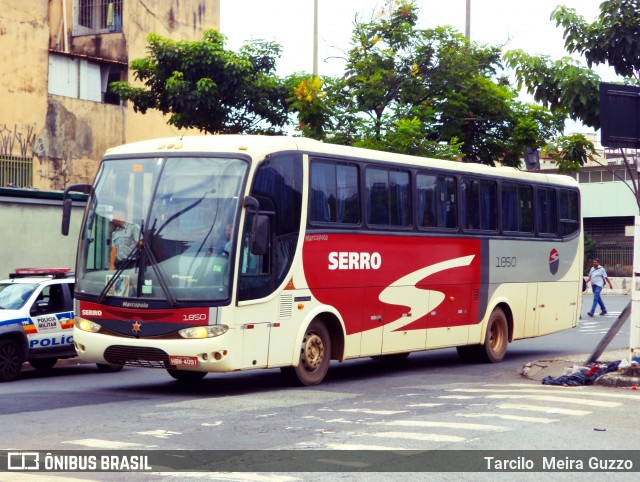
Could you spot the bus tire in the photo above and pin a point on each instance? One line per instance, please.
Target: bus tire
(10, 360)
(495, 342)
(187, 377)
(43, 364)
(315, 356)
(496, 339)
(109, 367)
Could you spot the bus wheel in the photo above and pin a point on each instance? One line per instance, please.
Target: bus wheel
(109, 367)
(187, 377)
(44, 364)
(315, 355)
(496, 338)
(10, 360)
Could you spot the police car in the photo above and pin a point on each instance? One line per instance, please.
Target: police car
(36, 320)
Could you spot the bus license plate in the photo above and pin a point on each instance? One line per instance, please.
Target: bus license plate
(187, 361)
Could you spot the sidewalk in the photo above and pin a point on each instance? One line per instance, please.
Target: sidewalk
(626, 378)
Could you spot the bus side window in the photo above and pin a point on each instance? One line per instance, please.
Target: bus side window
(569, 213)
(547, 214)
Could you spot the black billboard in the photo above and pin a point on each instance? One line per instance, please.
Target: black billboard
(620, 115)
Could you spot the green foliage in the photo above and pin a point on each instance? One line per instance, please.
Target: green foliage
(426, 92)
(570, 152)
(589, 250)
(201, 85)
(563, 85)
(406, 136)
(612, 39)
(309, 101)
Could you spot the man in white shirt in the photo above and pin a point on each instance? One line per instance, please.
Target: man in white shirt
(598, 277)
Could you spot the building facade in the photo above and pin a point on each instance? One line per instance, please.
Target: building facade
(58, 117)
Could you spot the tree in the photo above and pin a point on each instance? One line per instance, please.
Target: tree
(564, 86)
(424, 92)
(201, 85)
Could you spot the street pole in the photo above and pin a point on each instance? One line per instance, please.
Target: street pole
(634, 342)
(467, 24)
(315, 37)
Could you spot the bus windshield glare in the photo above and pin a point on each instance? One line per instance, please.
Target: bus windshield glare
(161, 229)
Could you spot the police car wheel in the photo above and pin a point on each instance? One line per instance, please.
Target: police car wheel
(10, 360)
(44, 364)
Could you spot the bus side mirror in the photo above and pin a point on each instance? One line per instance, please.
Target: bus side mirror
(260, 235)
(66, 216)
(67, 203)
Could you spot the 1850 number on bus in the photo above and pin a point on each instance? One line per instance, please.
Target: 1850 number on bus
(506, 261)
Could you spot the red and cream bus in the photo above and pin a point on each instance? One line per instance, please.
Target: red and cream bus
(259, 252)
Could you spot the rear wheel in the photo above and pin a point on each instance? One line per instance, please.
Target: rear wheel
(44, 364)
(187, 377)
(315, 355)
(495, 343)
(496, 338)
(10, 360)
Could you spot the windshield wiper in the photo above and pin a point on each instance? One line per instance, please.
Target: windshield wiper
(158, 272)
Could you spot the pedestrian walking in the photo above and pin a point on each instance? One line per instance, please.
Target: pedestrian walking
(598, 277)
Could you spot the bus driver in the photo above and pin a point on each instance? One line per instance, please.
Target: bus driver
(123, 240)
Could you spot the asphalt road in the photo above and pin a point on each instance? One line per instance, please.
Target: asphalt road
(430, 402)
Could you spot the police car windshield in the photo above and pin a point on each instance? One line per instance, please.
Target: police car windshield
(14, 295)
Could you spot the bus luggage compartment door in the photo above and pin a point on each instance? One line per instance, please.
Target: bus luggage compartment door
(255, 342)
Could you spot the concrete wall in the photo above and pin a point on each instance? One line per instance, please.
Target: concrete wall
(607, 199)
(621, 286)
(31, 231)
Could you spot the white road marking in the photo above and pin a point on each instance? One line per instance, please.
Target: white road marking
(243, 476)
(537, 408)
(427, 405)
(371, 412)
(425, 437)
(159, 433)
(453, 425)
(546, 391)
(576, 401)
(105, 444)
(364, 447)
(458, 397)
(517, 418)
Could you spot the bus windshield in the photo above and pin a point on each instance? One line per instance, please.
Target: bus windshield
(161, 228)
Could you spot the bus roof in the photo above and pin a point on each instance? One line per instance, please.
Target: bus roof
(257, 147)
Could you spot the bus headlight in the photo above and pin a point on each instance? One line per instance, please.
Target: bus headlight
(204, 331)
(87, 325)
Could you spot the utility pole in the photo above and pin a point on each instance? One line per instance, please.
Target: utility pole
(467, 24)
(315, 37)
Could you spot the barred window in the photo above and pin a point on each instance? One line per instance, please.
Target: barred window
(97, 16)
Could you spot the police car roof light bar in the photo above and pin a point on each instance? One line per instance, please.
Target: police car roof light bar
(53, 272)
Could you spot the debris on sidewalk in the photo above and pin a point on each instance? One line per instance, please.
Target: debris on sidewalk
(580, 376)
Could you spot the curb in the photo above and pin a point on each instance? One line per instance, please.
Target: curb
(539, 369)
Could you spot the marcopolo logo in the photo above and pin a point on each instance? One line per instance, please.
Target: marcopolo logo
(554, 261)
